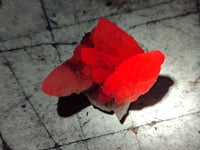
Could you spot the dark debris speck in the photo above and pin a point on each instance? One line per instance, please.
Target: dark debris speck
(23, 106)
(109, 3)
(152, 123)
(42, 59)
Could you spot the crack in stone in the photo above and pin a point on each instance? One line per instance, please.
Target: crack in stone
(59, 56)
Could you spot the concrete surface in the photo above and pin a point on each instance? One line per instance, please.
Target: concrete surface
(36, 36)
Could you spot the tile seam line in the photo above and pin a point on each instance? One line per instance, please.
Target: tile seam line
(182, 32)
(46, 18)
(74, 43)
(198, 8)
(28, 100)
(82, 131)
(144, 125)
(140, 147)
(36, 45)
(49, 28)
(138, 141)
(24, 36)
(1, 137)
(4, 145)
(1, 4)
(65, 26)
(121, 130)
(181, 116)
(163, 19)
(85, 140)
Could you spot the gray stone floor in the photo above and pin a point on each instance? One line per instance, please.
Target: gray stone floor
(36, 36)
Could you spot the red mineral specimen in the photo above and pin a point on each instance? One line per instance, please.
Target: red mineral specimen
(111, 59)
(64, 81)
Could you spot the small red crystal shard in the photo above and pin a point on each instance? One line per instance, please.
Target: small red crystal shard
(67, 79)
(91, 57)
(113, 43)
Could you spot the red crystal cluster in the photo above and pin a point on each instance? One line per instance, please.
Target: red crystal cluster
(111, 59)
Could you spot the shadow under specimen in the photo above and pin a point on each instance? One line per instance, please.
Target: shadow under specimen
(74, 103)
(154, 95)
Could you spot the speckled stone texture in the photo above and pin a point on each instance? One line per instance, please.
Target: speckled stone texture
(20, 18)
(37, 36)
